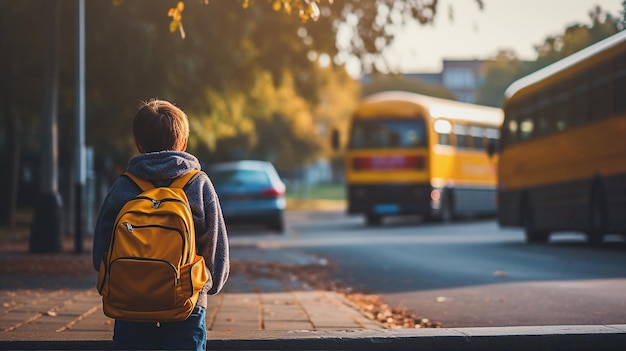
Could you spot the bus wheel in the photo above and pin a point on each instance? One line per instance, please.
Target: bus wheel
(532, 234)
(597, 216)
(446, 209)
(446, 212)
(373, 219)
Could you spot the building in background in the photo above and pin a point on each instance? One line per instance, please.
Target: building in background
(462, 77)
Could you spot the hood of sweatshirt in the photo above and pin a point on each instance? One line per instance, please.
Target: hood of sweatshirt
(162, 165)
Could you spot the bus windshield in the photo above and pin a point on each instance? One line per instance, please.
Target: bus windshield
(387, 133)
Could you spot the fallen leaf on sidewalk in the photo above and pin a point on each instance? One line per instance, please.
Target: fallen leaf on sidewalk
(320, 276)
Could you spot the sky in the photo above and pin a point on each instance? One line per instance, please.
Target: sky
(474, 34)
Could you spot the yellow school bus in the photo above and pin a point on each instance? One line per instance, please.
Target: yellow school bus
(562, 165)
(413, 154)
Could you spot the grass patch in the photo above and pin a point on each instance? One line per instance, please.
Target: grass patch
(317, 192)
(321, 197)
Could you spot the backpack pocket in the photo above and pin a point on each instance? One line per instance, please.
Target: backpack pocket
(101, 276)
(142, 284)
(193, 277)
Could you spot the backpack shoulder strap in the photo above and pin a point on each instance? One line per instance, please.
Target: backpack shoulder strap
(141, 183)
(183, 180)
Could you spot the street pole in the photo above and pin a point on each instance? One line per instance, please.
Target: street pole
(81, 173)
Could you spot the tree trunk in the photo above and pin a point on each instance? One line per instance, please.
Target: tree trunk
(10, 177)
(11, 156)
(46, 230)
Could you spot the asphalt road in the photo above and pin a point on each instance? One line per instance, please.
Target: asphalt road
(465, 274)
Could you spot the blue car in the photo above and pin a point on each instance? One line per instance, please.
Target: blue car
(250, 192)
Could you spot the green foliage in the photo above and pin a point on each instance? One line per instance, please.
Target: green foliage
(372, 22)
(220, 75)
(319, 192)
(501, 71)
(278, 126)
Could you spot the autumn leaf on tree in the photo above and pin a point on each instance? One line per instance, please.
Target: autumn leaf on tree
(177, 15)
(305, 9)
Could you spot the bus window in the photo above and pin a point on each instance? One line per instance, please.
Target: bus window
(357, 138)
(411, 138)
(384, 138)
(526, 124)
(581, 100)
(544, 125)
(512, 131)
(561, 106)
(493, 140)
(619, 86)
(388, 133)
(462, 139)
(509, 126)
(477, 134)
(600, 92)
(543, 115)
(443, 129)
(527, 127)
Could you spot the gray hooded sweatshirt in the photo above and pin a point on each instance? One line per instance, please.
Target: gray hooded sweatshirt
(160, 168)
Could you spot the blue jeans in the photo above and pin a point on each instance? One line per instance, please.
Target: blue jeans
(189, 334)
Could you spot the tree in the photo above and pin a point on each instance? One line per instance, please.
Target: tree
(339, 98)
(47, 222)
(373, 23)
(20, 83)
(500, 72)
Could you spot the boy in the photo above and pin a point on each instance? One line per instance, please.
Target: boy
(161, 131)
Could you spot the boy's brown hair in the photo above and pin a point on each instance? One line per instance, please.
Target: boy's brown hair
(160, 126)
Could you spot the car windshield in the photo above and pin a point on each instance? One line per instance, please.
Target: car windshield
(239, 176)
(388, 133)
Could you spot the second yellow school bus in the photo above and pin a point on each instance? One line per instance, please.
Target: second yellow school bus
(414, 154)
(562, 165)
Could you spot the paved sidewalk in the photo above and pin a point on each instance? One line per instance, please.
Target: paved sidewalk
(74, 311)
(53, 297)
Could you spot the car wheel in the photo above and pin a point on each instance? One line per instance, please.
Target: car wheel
(277, 224)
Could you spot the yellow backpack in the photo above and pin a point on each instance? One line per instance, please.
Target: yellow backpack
(151, 272)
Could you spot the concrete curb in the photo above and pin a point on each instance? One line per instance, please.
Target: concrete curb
(536, 338)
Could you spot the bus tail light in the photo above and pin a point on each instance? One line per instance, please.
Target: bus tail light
(435, 195)
(419, 162)
(357, 163)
